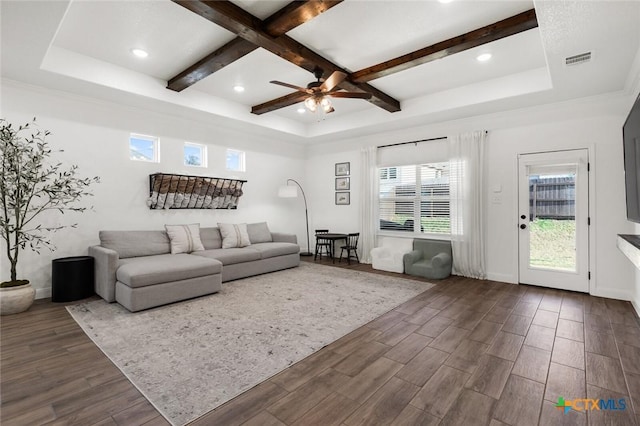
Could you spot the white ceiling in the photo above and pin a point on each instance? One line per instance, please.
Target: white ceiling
(84, 47)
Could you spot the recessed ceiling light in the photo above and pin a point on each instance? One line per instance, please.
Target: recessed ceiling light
(139, 53)
(484, 57)
(301, 110)
(238, 88)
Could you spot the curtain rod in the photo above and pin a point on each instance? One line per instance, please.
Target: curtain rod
(421, 140)
(407, 143)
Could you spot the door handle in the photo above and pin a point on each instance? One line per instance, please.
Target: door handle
(523, 226)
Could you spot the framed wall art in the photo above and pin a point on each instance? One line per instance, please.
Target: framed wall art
(343, 198)
(343, 169)
(342, 184)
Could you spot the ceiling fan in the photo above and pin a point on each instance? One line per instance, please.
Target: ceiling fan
(319, 91)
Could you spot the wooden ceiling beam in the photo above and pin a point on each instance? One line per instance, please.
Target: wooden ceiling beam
(505, 28)
(295, 14)
(248, 27)
(284, 20)
(282, 102)
(227, 54)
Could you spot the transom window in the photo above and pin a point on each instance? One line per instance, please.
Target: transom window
(415, 198)
(236, 160)
(195, 154)
(144, 148)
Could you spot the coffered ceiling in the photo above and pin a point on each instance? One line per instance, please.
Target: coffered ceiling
(85, 47)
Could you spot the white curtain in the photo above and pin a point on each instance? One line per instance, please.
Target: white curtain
(368, 202)
(466, 183)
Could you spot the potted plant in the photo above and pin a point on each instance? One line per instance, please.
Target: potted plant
(31, 185)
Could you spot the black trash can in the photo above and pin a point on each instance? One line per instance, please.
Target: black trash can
(72, 278)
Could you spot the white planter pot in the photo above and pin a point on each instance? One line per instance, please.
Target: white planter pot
(16, 299)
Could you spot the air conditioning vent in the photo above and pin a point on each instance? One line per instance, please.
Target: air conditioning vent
(578, 59)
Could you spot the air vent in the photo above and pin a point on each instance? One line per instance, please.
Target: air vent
(578, 59)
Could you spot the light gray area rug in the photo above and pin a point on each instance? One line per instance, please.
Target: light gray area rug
(190, 357)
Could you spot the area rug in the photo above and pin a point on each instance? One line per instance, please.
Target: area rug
(190, 357)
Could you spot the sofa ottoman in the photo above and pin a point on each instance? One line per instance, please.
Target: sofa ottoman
(144, 282)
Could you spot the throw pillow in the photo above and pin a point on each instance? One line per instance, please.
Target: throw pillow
(259, 233)
(184, 238)
(234, 235)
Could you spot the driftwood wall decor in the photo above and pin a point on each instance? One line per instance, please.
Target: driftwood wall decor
(171, 191)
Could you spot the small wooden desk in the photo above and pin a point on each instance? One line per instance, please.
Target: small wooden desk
(333, 237)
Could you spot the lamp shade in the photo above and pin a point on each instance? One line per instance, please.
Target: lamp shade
(287, 191)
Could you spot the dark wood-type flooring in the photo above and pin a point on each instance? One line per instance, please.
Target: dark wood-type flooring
(464, 352)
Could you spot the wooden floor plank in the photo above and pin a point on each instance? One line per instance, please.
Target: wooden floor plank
(412, 416)
(420, 369)
(563, 380)
(425, 362)
(369, 380)
(244, 407)
(293, 406)
(506, 345)
(570, 330)
(329, 412)
(411, 346)
(384, 405)
(440, 392)
(520, 402)
(467, 355)
(568, 352)
(491, 376)
(532, 363)
(361, 358)
(471, 408)
(606, 373)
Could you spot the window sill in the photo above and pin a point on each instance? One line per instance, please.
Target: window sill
(413, 235)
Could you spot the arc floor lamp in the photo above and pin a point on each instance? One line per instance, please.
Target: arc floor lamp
(290, 191)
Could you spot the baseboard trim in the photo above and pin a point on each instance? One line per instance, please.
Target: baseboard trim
(611, 293)
(636, 306)
(503, 278)
(43, 293)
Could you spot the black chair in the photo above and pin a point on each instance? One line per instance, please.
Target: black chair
(350, 246)
(322, 244)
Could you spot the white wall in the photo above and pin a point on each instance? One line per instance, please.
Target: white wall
(323, 212)
(594, 124)
(95, 136)
(611, 273)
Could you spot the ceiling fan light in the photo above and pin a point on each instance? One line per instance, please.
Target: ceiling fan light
(311, 104)
(325, 103)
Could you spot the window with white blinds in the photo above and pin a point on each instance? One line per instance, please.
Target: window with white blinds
(404, 208)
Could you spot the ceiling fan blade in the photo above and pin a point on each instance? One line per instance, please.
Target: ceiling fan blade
(354, 95)
(334, 79)
(291, 86)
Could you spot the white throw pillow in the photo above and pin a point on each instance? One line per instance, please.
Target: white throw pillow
(234, 235)
(184, 238)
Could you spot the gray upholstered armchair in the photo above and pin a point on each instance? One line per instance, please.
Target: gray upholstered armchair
(429, 259)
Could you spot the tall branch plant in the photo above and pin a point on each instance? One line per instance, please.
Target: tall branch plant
(30, 185)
